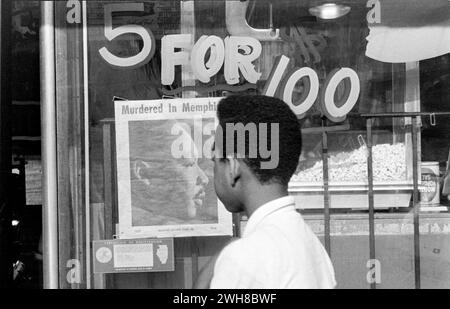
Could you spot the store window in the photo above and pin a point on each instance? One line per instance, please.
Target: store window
(131, 73)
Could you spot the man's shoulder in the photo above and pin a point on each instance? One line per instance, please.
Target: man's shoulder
(249, 246)
(254, 245)
(236, 245)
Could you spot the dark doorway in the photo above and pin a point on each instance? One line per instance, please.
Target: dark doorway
(20, 151)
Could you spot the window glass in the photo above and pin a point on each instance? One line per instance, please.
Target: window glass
(333, 72)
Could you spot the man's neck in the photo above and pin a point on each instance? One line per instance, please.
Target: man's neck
(261, 195)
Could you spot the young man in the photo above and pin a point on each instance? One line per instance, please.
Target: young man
(277, 249)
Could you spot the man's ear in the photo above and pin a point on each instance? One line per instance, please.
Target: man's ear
(235, 170)
(140, 170)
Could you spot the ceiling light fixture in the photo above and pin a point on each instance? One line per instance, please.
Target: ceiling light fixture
(329, 11)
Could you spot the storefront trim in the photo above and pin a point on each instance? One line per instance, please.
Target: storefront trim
(86, 146)
(48, 128)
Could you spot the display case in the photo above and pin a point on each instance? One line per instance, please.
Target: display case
(348, 181)
(344, 147)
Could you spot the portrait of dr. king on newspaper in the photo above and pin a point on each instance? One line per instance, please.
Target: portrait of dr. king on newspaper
(164, 169)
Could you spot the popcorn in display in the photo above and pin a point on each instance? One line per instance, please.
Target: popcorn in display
(389, 164)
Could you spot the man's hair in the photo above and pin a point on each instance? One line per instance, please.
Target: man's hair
(259, 109)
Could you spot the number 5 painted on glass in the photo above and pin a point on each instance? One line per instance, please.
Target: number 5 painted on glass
(148, 49)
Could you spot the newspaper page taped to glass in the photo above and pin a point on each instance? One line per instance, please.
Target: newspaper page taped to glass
(164, 169)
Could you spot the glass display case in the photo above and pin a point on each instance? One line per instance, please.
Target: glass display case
(348, 177)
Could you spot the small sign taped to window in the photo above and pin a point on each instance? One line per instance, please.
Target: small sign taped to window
(133, 255)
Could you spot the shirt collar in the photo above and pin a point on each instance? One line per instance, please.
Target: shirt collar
(265, 210)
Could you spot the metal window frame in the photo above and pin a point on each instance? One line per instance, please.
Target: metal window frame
(48, 144)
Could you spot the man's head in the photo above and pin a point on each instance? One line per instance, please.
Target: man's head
(258, 143)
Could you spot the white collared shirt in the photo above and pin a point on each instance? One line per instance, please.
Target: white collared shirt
(278, 250)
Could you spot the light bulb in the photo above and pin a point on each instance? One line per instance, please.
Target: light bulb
(329, 11)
